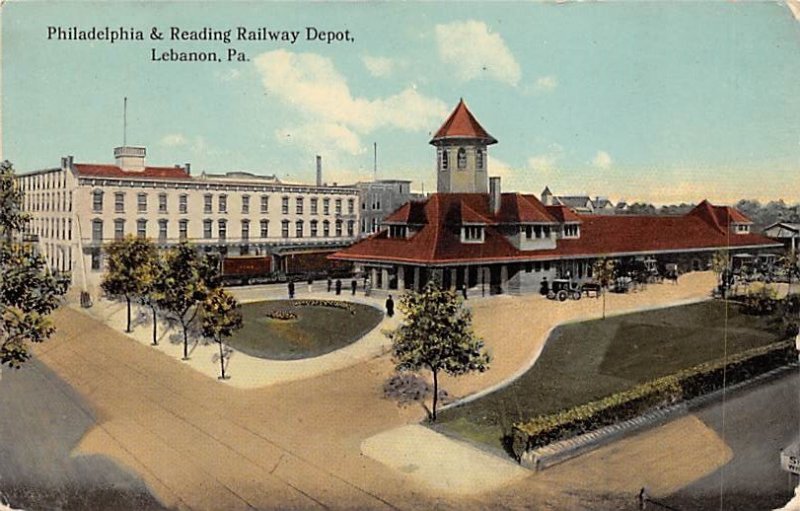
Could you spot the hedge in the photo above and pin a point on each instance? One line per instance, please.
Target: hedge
(640, 399)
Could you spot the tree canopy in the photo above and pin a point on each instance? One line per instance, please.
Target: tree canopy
(129, 271)
(221, 318)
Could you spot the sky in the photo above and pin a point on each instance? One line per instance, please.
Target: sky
(664, 102)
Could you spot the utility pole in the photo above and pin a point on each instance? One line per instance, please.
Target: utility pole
(375, 161)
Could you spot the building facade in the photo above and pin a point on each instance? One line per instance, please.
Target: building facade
(471, 234)
(76, 208)
(379, 198)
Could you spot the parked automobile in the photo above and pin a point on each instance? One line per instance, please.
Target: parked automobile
(561, 289)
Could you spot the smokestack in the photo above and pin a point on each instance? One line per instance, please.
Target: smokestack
(319, 170)
(494, 194)
(188, 168)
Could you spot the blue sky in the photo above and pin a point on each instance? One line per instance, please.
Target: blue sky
(661, 101)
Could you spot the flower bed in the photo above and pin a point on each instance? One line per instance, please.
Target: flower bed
(684, 385)
(282, 315)
(335, 304)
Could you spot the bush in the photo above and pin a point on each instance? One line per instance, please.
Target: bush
(759, 303)
(281, 314)
(646, 397)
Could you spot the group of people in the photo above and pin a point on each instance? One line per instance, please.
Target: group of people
(337, 287)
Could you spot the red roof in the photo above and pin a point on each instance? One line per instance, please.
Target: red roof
(462, 124)
(112, 171)
(441, 216)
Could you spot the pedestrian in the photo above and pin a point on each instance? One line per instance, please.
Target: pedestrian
(464, 290)
(390, 306)
(367, 288)
(329, 283)
(338, 286)
(544, 288)
(354, 286)
(310, 283)
(291, 290)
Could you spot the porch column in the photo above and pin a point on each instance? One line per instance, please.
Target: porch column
(384, 278)
(466, 276)
(453, 277)
(373, 278)
(504, 278)
(416, 278)
(401, 278)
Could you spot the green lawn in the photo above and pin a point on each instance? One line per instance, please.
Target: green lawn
(582, 362)
(316, 331)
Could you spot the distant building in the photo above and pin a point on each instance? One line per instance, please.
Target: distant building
(785, 232)
(471, 234)
(579, 203)
(379, 198)
(76, 208)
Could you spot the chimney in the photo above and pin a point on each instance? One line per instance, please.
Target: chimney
(130, 158)
(63, 163)
(188, 168)
(547, 196)
(494, 194)
(319, 170)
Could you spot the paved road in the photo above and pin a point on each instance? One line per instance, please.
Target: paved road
(759, 422)
(41, 421)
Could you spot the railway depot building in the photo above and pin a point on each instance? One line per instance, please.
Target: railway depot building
(76, 208)
(471, 233)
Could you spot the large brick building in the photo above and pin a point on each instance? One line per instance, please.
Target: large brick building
(471, 233)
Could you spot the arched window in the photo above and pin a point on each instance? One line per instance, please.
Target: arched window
(462, 158)
(479, 163)
(445, 163)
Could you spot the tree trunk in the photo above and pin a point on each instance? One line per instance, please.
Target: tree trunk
(435, 395)
(221, 358)
(185, 341)
(155, 327)
(128, 328)
(604, 303)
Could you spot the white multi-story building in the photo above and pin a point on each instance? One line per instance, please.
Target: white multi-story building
(77, 207)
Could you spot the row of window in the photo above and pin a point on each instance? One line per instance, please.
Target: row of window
(222, 204)
(55, 228)
(48, 201)
(45, 181)
(461, 159)
(222, 229)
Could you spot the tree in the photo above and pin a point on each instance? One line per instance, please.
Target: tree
(189, 278)
(789, 264)
(152, 291)
(720, 265)
(603, 272)
(437, 335)
(130, 261)
(29, 291)
(221, 318)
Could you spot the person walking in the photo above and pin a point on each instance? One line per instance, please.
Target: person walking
(353, 286)
(330, 282)
(310, 284)
(390, 306)
(291, 290)
(338, 286)
(464, 290)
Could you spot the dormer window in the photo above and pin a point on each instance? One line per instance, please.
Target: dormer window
(462, 158)
(398, 231)
(741, 228)
(472, 234)
(571, 231)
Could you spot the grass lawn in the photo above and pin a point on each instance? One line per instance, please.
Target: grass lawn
(582, 362)
(316, 331)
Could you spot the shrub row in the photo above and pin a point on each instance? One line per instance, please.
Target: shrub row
(281, 314)
(662, 392)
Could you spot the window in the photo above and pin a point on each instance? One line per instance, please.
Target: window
(97, 201)
(223, 203)
(245, 229)
(119, 202)
(299, 229)
(183, 229)
(284, 228)
(326, 228)
(141, 203)
(223, 229)
(245, 204)
(374, 226)
(528, 231)
(119, 229)
(299, 205)
(338, 206)
(314, 203)
(183, 204)
(141, 228)
(338, 227)
(69, 232)
(313, 228)
(444, 163)
(397, 231)
(285, 205)
(472, 233)
(207, 203)
(265, 228)
(97, 230)
(479, 159)
(462, 158)
(351, 206)
(207, 229)
(326, 206)
(265, 203)
(162, 202)
(570, 231)
(162, 230)
(350, 227)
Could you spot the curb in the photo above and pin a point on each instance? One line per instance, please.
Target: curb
(564, 450)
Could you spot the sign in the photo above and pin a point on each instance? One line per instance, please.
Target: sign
(790, 458)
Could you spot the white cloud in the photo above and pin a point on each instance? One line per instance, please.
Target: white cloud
(545, 83)
(794, 7)
(174, 140)
(546, 163)
(312, 85)
(325, 137)
(228, 75)
(602, 160)
(379, 67)
(475, 52)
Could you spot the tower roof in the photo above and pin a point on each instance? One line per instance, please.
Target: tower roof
(462, 124)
